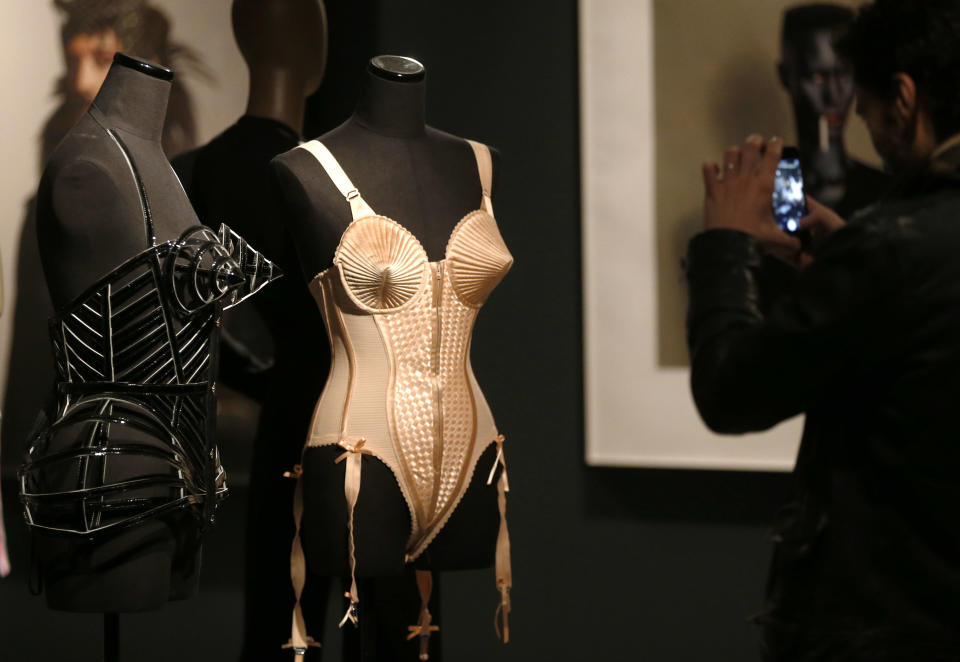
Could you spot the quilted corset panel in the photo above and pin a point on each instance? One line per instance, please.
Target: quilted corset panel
(425, 313)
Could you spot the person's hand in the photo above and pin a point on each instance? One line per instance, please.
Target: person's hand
(820, 221)
(739, 195)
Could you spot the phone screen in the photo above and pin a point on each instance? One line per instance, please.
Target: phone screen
(789, 203)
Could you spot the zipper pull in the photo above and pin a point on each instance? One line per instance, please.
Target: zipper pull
(436, 290)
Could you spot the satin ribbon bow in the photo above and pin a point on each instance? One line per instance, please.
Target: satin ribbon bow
(351, 614)
(423, 629)
(351, 484)
(500, 459)
(352, 448)
(504, 574)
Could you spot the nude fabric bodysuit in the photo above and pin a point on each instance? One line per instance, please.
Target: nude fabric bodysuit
(401, 387)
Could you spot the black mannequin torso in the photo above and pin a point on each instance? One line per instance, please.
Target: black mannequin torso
(426, 180)
(283, 43)
(423, 178)
(89, 217)
(89, 221)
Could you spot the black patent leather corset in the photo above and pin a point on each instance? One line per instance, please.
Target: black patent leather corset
(133, 434)
(150, 320)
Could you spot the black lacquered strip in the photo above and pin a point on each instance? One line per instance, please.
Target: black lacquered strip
(100, 119)
(174, 459)
(121, 388)
(155, 480)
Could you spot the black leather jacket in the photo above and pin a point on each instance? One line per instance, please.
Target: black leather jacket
(866, 343)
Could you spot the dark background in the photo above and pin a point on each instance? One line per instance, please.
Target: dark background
(618, 564)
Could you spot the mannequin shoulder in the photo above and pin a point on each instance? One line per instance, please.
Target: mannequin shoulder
(81, 190)
(314, 211)
(305, 186)
(454, 142)
(295, 168)
(459, 146)
(90, 158)
(89, 219)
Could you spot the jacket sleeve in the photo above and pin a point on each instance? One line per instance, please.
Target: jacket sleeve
(754, 365)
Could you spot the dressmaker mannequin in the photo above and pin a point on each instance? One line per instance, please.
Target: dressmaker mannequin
(283, 43)
(427, 181)
(89, 221)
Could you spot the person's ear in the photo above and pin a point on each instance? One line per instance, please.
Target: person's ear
(905, 98)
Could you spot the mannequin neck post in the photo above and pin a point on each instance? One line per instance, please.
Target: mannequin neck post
(134, 101)
(392, 107)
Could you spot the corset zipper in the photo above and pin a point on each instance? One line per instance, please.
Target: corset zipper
(437, 391)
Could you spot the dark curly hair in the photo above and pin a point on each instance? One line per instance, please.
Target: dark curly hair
(124, 17)
(144, 31)
(918, 37)
(801, 20)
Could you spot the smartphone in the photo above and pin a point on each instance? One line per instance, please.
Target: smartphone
(789, 201)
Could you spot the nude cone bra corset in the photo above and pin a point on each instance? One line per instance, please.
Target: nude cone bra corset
(401, 387)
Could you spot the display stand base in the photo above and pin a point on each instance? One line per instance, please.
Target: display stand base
(111, 637)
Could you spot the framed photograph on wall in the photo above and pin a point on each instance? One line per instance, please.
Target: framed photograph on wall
(665, 85)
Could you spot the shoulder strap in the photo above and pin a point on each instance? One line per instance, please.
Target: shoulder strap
(99, 118)
(485, 168)
(358, 207)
